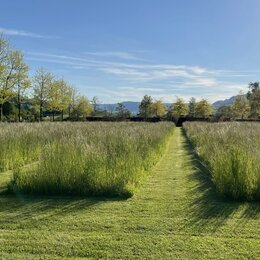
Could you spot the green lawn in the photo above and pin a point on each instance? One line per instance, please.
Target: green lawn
(175, 214)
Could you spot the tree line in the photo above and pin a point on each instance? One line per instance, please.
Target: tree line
(244, 106)
(24, 98)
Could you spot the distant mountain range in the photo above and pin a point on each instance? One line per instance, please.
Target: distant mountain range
(226, 102)
(133, 106)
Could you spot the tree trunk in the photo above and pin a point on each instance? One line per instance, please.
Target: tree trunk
(62, 115)
(19, 107)
(53, 114)
(41, 112)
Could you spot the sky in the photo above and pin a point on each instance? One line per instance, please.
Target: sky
(120, 50)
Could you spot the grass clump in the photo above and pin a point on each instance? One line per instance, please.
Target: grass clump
(87, 158)
(231, 151)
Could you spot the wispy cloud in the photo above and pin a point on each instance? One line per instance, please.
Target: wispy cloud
(130, 80)
(115, 54)
(14, 32)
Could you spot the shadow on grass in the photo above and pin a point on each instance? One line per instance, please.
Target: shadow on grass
(207, 205)
(21, 208)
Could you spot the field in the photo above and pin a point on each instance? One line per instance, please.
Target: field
(231, 151)
(80, 159)
(176, 212)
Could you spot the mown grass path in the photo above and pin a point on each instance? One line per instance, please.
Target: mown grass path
(175, 214)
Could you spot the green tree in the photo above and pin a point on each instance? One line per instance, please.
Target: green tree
(9, 64)
(122, 111)
(73, 100)
(192, 105)
(179, 108)
(66, 92)
(241, 106)
(203, 109)
(22, 81)
(83, 107)
(224, 112)
(42, 82)
(253, 96)
(158, 108)
(145, 107)
(59, 96)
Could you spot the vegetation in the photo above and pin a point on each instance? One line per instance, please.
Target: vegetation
(179, 108)
(78, 158)
(122, 111)
(158, 108)
(203, 109)
(192, 105)
(253, 96)
(145, 108)
(232, 152)
(175, 214)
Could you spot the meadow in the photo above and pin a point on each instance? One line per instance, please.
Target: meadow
(108, 159)
(175, 214)
(231, 152)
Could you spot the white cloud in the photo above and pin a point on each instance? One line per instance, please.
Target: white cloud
(205, 82)
(14, 32)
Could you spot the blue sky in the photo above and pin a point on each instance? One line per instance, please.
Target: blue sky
(120, 50)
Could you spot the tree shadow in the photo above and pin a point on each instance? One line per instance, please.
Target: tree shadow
(207, 205)
(20, 208)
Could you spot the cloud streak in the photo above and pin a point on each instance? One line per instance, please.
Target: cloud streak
(114, 54)
(129, 80)
(21, 33)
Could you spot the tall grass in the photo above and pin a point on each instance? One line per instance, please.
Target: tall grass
(232, 153)
(81, 158)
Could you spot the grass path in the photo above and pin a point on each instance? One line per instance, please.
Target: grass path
(175, 214)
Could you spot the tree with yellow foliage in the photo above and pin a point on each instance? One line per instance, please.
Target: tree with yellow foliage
(158, 108)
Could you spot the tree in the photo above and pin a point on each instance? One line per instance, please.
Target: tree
(22, 82)
(73, 100)
(66, 92)
(203, 109)
(42, 82)
(241, 106)
(95, 102)
(158, 108)
(83, 107)
(253, 96)
(179, 108)
(192, 105)
(122, 111)
(145, 107)
(9, 63)
(9, 110)
(224, 112)
(59, 96)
